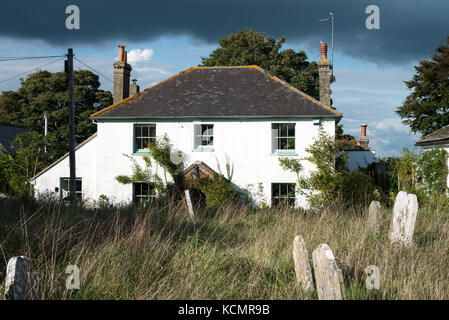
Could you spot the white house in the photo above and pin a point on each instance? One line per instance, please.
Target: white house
(436, 140)
(211, 114)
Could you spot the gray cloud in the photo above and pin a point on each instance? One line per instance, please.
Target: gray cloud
(410, 29)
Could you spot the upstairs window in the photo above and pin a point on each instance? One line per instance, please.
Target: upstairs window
(144, 136)
(283, 136)
(283, 194)
(143, 192)
(65, 189)
(204, 136)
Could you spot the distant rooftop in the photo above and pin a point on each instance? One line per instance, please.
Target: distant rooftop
(440, 136)
(7, 134)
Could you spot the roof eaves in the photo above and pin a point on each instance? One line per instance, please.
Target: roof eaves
(422, 142)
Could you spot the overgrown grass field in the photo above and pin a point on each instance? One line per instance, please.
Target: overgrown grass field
(235, 253)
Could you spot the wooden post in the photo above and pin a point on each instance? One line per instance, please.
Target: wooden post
(190, 206)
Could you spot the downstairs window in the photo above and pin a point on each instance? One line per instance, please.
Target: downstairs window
(65, 189)
(283, 194)
(143, 192)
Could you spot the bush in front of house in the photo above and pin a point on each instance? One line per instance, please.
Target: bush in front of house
(330, 183)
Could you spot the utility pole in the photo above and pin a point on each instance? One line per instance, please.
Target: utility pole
(72, 182)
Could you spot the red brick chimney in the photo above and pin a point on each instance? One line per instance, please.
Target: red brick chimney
(122, 71)
(363, 140)
(324, 68)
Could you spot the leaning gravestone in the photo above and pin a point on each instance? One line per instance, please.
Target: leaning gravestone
(302, 264)
(374, 215)
(328, 276)
(403, 220)
(19, 284)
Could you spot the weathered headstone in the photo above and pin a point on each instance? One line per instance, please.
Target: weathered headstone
(19, 284)
(403, 220)
(302, 264)
(374, 215)
(328, 276)
(190, 206)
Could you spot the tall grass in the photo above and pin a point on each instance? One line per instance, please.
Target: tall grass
(235, 253)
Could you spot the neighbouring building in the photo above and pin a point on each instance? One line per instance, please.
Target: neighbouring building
(362, 155)
(212, 114)
(436, 140)
(8, 132)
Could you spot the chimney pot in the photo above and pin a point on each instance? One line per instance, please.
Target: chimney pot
(121, 53)
(323, 50)
(126, 56)
(363, 127)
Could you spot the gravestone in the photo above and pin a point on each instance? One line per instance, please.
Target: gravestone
(403, 220)
(302, 264)
(19, 283)
(328, 276)
(374, 215)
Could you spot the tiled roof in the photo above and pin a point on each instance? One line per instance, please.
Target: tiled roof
(439, 136)
(7, 134)
(241, 91)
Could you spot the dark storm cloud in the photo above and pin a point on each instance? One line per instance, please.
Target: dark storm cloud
(410, 29)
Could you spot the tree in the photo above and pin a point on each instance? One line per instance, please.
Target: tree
(46, 92)
(23, 163)
(426, 109)
(249, 47)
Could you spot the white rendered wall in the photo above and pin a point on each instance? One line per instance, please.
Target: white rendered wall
(360, 159)
(86, 169)
(246, 143)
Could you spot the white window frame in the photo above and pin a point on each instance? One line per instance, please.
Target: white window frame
(135, 137)
(198, 137)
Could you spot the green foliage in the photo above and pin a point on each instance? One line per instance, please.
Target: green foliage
(229, 167)
(45, 92)
(171, 160)
(162, 152)
(218, 191)
(431, 172)
(356, 188)
(330, 182)
(426, 109)
(249, 47)
(423, 174)
(142, 174)
(17, 168)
